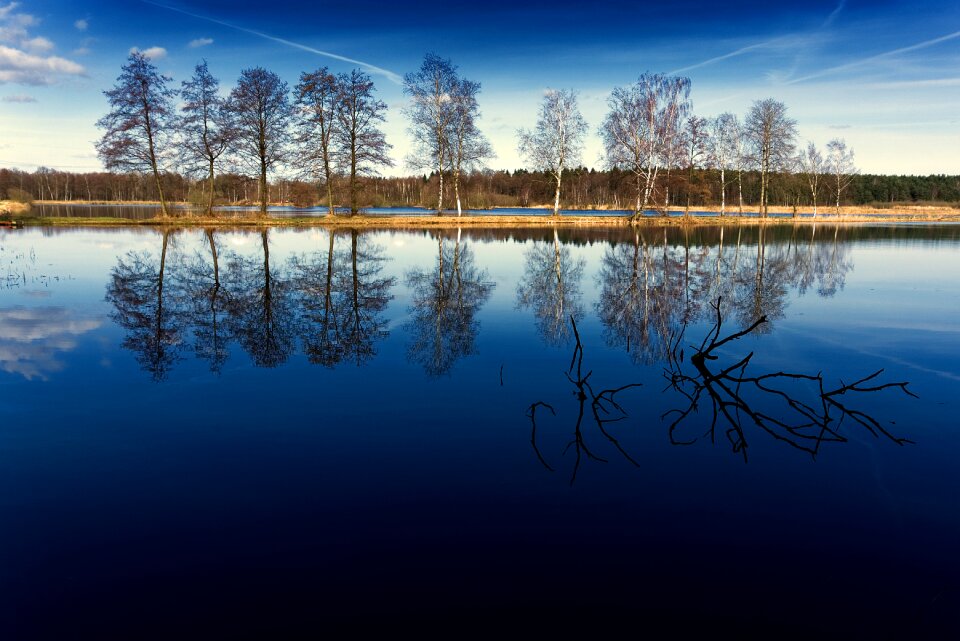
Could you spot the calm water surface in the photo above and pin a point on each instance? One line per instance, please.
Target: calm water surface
(244, 434)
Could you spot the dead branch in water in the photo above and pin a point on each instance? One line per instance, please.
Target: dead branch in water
(604, 409)
(805, 425)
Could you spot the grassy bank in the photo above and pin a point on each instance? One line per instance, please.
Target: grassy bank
(485, 221)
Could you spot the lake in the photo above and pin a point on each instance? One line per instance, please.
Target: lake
(252, 434)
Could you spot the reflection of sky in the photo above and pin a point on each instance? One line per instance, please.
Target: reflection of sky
(33, 340)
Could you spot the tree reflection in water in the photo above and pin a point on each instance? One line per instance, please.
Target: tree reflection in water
(550, 286)
(341, 296)
(260, 308)
(649, 291)
(443, 324)
(333, 301)
(202, 298)
(143, 307)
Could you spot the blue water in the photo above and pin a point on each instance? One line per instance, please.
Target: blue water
(236, 454)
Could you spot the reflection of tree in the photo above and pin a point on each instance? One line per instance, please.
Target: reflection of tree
(551, 288)
(443, 321)
(793, 408)
(205, 305)
(341, 298)
(259, 307)
(630, 304)
(154, 326)
(314, 276)
(604, 409)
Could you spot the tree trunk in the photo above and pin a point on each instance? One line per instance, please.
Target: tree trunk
(556, 196)
(210, 199)
(723, 191)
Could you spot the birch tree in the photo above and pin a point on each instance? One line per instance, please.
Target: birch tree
(260, 111)
(431, 89)
(205, 131)
(139, 125)
(557, 140)
(640, 130)
(811, 163)
(723, 152)
(841, 167)
(694, 138)
(468, 147)
(770, 135)
(318, 108)
(360, 146)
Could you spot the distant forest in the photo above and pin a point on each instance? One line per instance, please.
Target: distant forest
(586, 189)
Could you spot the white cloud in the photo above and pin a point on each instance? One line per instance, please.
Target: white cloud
(18, 66)
(13, 26)
(200, 42)
(31, 339)
(38, 44)
(82, 24)
(19, 98)
(153, 53)
(23, 58)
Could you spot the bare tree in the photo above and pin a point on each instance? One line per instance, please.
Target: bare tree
(724, 152)
(318, 107)
(840, 165)
(694, 137)
(640, 130)
(557, 140)
(205, 132)
(811, 163)
(770, 135)
(431, 89)
(360, 145)
(139, 124)
(468, 147)
(260, 111)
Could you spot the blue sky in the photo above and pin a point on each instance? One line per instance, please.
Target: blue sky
(883, 75)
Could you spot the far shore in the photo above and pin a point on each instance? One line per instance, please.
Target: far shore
(19, 212)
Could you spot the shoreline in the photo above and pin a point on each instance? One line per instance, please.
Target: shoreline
(485, 221)
(22, 216)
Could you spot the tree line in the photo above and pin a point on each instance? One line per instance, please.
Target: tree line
(322, 141)
(585, 189)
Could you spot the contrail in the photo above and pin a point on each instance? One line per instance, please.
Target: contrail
(833, 14)
(874, 58)
(732, 54)
(386, 73)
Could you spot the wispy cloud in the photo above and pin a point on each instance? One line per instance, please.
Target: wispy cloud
(19, 98)
(386, 73)
(82, 24)
(875, 58)
(153, 53)
(914, 84)
(200, 42)
(833, 14)
(733, 54)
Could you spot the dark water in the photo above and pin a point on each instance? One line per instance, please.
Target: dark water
(313, 433)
